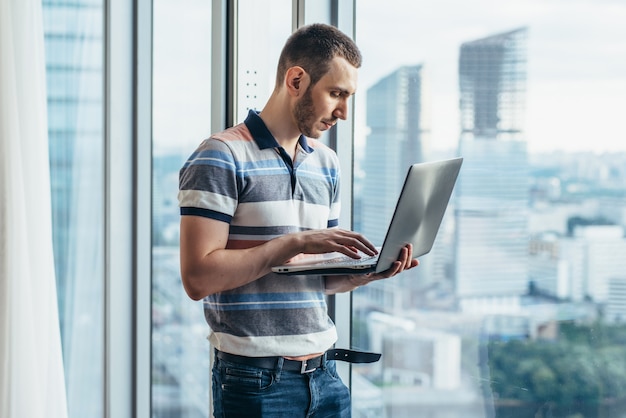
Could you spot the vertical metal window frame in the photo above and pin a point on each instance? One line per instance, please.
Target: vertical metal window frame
(127, 227)
(142, 211)
(223, 64)
(118, 208)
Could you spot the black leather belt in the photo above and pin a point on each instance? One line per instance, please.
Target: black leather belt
(304, 366)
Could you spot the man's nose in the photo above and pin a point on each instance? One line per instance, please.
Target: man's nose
(341, 112)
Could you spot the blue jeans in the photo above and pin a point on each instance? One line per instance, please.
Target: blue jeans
(247, 391)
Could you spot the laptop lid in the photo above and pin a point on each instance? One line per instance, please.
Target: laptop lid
(417, 217)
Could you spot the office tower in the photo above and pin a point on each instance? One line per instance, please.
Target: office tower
(75, 87)
(397, 137)
(398, 132)
(492, 191)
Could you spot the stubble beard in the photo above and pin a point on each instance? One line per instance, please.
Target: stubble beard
(304, 115)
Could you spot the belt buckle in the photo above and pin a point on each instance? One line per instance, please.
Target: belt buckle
(304, 370)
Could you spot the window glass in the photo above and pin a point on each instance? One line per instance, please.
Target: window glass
(263, 28)
(519, 308)
(181, 119)
(75, 79)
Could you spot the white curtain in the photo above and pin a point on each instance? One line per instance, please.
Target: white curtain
(31, 366)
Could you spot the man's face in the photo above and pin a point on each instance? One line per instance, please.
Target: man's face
(323, 103)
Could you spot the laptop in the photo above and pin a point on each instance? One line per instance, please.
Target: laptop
(417, 217)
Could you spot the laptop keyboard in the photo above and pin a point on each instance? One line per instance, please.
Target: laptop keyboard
(348, 260)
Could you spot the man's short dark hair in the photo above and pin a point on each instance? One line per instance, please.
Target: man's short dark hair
(313, 47)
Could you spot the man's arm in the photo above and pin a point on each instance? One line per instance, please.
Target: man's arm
(347, 283)
(207, 267)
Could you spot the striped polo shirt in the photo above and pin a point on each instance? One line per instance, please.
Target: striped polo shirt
(242, 176)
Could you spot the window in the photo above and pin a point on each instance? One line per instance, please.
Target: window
(75, 80)
(519, 308)
(181, 119)
(263, 28)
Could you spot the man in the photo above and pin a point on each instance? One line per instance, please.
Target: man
(257, 195)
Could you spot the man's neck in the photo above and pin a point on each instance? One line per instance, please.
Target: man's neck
(277, 117)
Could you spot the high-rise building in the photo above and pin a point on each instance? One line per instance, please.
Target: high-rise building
(492, 191)
(398, 134)
(492, 81)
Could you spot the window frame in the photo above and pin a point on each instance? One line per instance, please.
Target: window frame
(127, 226)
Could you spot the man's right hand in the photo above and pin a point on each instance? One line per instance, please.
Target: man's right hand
(322, 241)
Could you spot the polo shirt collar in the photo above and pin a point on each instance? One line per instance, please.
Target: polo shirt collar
(263, 137)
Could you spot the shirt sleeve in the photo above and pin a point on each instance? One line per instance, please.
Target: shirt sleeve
(208, 182)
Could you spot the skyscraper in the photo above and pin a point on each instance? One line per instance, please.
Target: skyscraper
(492, 191)
(398, 136)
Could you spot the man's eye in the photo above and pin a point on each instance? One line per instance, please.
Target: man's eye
(335, 94)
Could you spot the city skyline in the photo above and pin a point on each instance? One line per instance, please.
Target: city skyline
(569, 77)
(481, 276)
(580, 85)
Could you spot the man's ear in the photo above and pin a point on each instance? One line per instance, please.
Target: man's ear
(296, 80)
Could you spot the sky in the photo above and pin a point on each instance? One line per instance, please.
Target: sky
(576, 85)
(576, 57)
